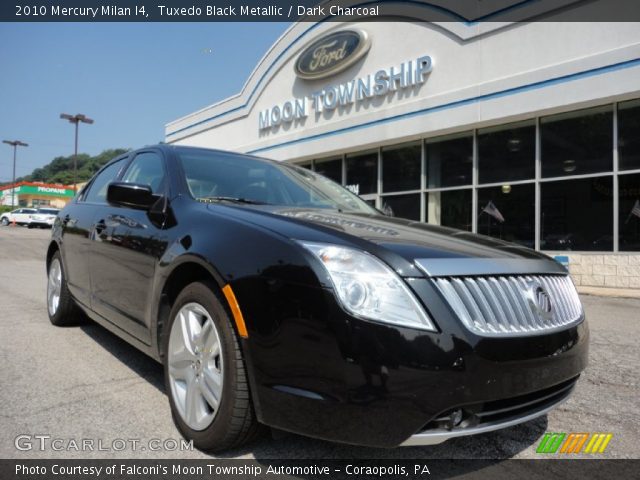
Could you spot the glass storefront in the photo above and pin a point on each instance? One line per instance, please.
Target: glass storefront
(449, 160)
(579, 170)
(450, 208)
(507, 212)
(362, 172)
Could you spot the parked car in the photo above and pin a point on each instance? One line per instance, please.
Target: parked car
(44, 218)
(274, 296)
(22, 216)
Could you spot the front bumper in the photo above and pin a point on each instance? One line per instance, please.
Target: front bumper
(317, 371)
(485, 419)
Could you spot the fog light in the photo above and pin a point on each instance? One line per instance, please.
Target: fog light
(456, 417)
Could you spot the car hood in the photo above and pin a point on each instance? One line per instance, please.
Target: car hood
(408, 239)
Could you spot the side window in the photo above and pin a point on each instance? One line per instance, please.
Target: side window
(146, 169)
(98, 190)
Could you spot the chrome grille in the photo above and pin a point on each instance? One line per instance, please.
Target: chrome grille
(512, 304)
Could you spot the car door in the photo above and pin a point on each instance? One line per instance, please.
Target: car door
(126, 248)
(22, 215)
(76, 229)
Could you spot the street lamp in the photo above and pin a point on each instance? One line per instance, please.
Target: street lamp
(76, 119)
(15, 144)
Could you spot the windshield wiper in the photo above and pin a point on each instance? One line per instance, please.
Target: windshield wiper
(247, 201)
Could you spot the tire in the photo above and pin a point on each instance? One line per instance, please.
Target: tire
(232, 422)
(29, 226)
(64, 312)
(4, 221)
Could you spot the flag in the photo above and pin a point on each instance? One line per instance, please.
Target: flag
(634, 211)
(492, 210)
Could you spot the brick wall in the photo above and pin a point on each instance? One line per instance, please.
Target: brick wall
(605, 270)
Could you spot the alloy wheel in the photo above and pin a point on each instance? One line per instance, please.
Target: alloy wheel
(54, 286)
(194, 359)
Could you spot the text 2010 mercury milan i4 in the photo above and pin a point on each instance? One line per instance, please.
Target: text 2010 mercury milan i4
(274, 296)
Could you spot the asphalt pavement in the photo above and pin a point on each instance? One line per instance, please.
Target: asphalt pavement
(83, 383)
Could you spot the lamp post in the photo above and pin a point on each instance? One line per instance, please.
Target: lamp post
(15, 144)
(76, 120)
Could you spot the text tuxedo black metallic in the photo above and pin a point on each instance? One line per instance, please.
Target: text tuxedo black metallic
(274, 296)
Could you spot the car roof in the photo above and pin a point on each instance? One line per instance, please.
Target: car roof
(184, 148)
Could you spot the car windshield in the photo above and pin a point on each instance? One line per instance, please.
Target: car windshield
(216, 176)
(48, 211)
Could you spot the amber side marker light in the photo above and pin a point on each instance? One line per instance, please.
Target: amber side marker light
(235, 310)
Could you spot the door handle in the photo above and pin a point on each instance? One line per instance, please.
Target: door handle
(100, 226)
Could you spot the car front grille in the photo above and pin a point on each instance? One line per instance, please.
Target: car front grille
(512, 305)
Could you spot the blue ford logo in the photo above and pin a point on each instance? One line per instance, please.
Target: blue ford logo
(332, 53)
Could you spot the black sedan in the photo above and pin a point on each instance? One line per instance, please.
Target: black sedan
(276, 297)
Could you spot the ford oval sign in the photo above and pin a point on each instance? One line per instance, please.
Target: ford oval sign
(332, 54)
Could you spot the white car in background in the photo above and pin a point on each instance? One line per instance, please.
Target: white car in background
(22, 216)
(43, 218)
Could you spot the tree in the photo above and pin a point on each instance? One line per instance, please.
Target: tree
(60, 169)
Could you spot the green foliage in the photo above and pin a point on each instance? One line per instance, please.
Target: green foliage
(60, 169)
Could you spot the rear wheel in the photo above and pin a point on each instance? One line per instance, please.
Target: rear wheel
(60, 305)
(4, 221)
(204, 371)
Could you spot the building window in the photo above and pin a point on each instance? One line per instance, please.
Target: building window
(450, 208)
(507, 153)
(306, 165)
(402, 206)
(449, 161)
(629, 135)
(629, 212)
(507, 212)
(577, 143)
(577, 214)
(330, 168)
(401, 168)
(362, 173)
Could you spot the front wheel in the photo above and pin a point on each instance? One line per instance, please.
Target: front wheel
(61, 307)
(204, 371)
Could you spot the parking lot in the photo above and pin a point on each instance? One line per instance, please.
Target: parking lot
(79, 383)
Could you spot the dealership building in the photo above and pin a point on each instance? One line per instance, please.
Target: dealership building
(35, 194)
(528, 132)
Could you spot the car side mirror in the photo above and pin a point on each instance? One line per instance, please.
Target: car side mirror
(132, 195)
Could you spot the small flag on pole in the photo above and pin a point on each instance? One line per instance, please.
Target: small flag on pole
(634, 211)
(492, 210)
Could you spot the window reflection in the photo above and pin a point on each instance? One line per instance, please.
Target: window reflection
(362, 173)
(450, 208)
(508, 212)
(629, 134)
(629, 212)
(577, 214)
(330, 168)
(402, 206)
(507, 153)
(401, 168)
(577, 143)
(449, 161)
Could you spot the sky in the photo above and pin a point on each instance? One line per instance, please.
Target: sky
(131, 78)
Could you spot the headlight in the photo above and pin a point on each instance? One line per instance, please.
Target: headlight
(368, 288)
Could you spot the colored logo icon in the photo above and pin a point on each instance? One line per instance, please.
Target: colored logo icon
(574, 443)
